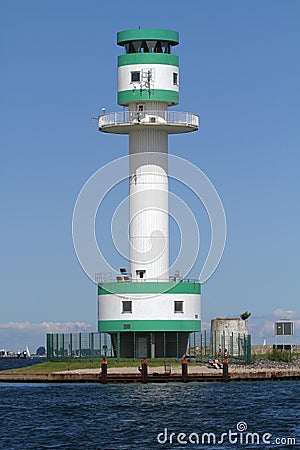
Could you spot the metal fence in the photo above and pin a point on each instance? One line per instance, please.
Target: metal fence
(237, 345)
(201, 346)
(62, 346)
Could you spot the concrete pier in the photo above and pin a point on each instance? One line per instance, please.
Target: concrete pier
(115, 376)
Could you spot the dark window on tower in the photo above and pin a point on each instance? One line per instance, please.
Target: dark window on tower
(129, 47)
(175, 78)
(157, 48)
(144, 47)
(178, 306)
(165, 47)
(126, 306)
(147, 47)
(135, 76)
(140, 273)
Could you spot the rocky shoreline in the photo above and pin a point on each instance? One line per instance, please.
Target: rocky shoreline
(264, 363)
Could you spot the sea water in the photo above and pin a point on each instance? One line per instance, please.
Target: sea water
(17, 363)
(263, 414)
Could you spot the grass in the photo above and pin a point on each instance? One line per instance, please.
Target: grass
(56, 366)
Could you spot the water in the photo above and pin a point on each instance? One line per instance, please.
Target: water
(15, 363)
(130, 416)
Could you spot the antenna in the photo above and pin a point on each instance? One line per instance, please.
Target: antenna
(148, 78)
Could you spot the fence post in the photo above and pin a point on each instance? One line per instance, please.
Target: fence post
(57, 351)
(92, 347)
(62, 346)
(231, 346)
(134, 347)
(223, 340)
(105, 345)
(80, 346)
(118, 346)
(48, 346)
(215, 343)
(248, 361)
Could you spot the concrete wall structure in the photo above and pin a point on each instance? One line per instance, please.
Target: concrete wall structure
(227, 333)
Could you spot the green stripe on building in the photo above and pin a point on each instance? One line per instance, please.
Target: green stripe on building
(136, 95)
(147, 34)
(182, 287)
(148, 58)
(115, 326)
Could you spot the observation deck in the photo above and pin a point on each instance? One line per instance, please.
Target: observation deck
(174, 122)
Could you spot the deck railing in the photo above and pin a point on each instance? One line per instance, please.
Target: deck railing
(149, 117)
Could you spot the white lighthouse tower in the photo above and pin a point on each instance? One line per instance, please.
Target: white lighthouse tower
(147, 312)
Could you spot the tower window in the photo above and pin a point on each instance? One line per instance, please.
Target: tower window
(140, 273)
(157, 48)
(147, 47)
(135, 76)
(178, 306)
(126, 307)
(175, 79)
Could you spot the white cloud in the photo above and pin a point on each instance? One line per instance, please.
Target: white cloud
(17, 335)
(286, 314)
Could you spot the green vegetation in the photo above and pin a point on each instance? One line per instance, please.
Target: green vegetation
(57, 366)
(279, 356)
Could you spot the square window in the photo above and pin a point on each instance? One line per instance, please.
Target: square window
(175, 79)
(126, 307)
(140, 273)
(178, 306)
(135, 76)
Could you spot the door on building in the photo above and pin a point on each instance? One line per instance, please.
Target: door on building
(141, 346)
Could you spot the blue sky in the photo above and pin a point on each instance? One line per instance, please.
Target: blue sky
(239, 71)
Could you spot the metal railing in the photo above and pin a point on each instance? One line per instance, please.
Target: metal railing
(104, 277)
(127, 117)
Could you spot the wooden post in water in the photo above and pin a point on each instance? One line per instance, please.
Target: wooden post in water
(144, 371)
(103, 371)
(184, 370)
(225, 369)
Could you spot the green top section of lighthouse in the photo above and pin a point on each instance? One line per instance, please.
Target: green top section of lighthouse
(148, 71)
(147, 34)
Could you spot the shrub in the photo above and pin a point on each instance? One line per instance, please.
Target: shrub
(279, 356)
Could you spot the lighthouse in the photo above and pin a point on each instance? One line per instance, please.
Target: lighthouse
(148, 311)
